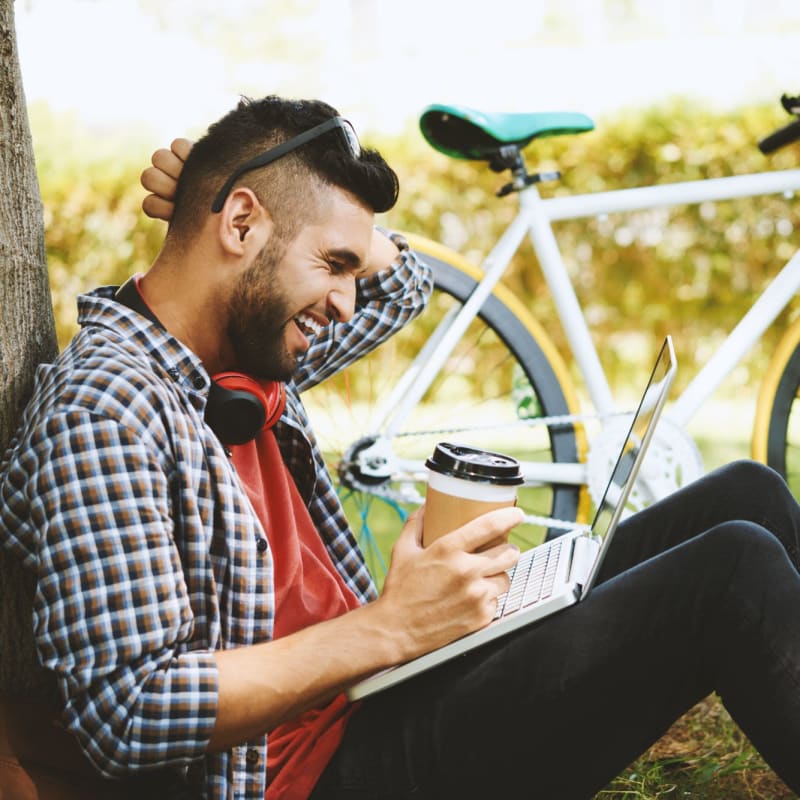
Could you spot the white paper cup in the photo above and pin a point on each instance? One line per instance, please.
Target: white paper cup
(463, 483)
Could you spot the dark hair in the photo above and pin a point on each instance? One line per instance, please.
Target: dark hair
(283, 187)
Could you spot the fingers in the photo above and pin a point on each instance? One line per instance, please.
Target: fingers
(161, 180)
(438, 593)
(484, 531)
(485, 536)
(181, 147)
(157, 181)
(500, 557)
(497, 585)
(157, 208)
(410, 538)
(168, 161)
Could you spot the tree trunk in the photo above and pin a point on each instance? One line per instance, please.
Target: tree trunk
(27, 335)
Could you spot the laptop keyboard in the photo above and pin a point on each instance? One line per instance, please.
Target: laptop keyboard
(532, 578)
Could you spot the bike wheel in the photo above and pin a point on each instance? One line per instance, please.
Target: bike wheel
(503, 375)
(776, 437)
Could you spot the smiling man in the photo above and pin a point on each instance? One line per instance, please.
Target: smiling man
(196, 582)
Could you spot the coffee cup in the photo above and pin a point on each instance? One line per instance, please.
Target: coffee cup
(463, 483)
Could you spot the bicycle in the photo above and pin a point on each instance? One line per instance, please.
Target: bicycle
(528, 404)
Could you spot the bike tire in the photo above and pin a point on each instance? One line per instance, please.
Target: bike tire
(501, 343)
(776, 435)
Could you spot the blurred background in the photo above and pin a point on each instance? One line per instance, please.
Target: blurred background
(678, 89)
(174, 65)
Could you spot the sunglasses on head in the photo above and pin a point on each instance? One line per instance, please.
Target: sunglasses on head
(347, 135)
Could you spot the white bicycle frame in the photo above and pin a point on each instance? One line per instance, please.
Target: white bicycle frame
(535, 218)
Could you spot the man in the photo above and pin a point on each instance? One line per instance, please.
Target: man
(187, 609)
(156, 600)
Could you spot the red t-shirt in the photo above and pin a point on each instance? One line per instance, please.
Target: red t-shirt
(308, 589)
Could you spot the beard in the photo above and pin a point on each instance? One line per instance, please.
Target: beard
(258, 313)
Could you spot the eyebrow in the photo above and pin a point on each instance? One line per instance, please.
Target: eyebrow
(348, 256)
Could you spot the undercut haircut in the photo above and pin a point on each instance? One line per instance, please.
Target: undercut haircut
(288, 187)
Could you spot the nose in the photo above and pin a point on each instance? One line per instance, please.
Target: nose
(342, 299)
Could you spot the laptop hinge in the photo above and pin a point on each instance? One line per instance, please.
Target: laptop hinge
(584, 552)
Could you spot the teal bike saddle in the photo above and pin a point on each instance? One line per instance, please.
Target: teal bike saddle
(463, 132)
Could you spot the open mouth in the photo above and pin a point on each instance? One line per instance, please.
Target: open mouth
(308, 325)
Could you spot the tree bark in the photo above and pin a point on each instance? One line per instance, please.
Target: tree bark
(27, 336)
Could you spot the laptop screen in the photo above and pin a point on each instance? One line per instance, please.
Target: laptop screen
(629, 461)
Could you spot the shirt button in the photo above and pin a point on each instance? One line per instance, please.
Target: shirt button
(261, 544)
(251, 756)
(199, 383)
(174, 373)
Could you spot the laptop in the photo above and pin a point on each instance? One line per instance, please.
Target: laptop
(560, 572)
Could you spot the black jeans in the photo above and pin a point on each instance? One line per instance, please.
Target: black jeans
(699, 593)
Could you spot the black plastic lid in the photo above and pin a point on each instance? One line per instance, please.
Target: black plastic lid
(471, 464)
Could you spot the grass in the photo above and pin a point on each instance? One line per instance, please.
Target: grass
(704, 755)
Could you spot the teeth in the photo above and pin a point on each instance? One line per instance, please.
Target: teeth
(308, 324)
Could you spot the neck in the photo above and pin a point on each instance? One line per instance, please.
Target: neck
(191, 308)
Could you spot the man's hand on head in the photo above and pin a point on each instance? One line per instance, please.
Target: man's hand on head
(161, 179)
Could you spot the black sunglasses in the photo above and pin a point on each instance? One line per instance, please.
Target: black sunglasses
(347, 134)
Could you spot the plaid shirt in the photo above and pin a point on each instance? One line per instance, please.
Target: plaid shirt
(147, 553)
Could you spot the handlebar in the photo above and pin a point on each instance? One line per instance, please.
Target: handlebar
(788, 133)
(783, 136)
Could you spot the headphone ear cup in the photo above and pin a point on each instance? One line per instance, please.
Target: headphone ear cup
(235, 416)
(240, 407)
(275, 401)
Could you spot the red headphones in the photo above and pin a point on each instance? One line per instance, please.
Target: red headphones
(239, 407)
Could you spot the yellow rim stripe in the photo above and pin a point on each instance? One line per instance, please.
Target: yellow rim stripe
(769, 386)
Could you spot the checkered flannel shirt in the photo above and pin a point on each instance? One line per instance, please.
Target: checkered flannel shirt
(147, 554)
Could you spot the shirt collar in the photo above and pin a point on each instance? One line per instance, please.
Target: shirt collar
(98, 308)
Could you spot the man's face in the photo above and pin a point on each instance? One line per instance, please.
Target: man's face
(291, 291)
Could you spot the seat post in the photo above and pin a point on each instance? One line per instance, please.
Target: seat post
(510, 157)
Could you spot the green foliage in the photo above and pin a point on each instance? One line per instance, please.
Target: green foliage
(95, 231)
(691, 271)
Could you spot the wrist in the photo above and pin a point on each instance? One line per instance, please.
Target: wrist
(383, 252)
(386, 633)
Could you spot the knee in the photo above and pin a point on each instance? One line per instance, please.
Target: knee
(746, 543)
(754, 479)
(750, 472)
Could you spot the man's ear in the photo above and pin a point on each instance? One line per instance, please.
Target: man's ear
(244, 224)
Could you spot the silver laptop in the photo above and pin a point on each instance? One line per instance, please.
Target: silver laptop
(562, 571)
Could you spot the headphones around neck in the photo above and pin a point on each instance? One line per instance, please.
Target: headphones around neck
(239, 407)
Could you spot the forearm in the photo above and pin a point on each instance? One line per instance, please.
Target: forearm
(269, 683)
(431, 596)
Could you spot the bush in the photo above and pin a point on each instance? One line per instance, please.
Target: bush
(95, 231)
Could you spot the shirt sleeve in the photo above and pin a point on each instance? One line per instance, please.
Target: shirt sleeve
(385, 303)
(112, 614)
